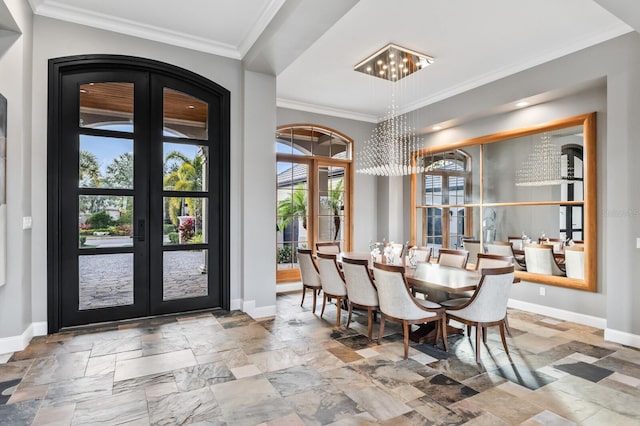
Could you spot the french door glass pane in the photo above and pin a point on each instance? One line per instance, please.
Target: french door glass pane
(432, 190)
(105, 162)
(184, 274)
(185, 167)
(185, 220)
(184, 116)
(105, 221)
(107, 105)
(287, 254)
(105, 280)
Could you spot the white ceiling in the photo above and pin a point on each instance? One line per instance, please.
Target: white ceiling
(473, 42)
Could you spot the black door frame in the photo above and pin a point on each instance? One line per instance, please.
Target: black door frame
(58, 67)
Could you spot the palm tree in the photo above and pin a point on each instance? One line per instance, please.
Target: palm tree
(335, 202)
(185, 174)
(295, 205)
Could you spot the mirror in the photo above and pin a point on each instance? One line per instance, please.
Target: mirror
(537, 181)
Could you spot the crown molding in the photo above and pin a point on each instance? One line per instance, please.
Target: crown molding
(320, 109)
(265, 17)
(56, 10)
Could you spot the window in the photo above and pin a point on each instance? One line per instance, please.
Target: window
(312, 192)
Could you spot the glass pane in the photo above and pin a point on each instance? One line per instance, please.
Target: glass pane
(185, 167)
(292, 175)
(339, 149)
(105, 280)
(184, 274)
(184, 115)
(105, 162)
(432, 190)
(105, 221)
(285, 255)
(456, 190)
(107, 106)
(185, 220)
(283, 142)
(302, 140)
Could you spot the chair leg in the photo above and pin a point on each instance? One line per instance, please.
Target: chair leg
(468, 331)
(506, 325)
(405, 335)
(369, 322)
(484, 335)
(438, 332)
(315, 293)
(443, 323)
(478, 332)
(304, 291)
(324, 303)
(349, 316)
(504, 341)
(338, 306)
(381, 328)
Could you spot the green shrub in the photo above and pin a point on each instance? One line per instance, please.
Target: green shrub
(83, 241)
(167, 229)
(284, 254)
(174, 237)
(196, 239)
(100, 220)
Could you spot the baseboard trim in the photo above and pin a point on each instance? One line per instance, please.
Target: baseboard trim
(288, 287)
(18, 343)
(249, 307)
(622, 337)
(235, 304)
(559, 313)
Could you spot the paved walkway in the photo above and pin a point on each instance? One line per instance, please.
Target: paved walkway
(107, 280)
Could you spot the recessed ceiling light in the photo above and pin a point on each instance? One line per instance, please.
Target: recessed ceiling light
(522, 104)
(437, 128)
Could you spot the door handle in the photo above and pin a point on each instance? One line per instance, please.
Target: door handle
(140, 231)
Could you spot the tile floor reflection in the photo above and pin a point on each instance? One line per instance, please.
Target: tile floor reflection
(297, 369)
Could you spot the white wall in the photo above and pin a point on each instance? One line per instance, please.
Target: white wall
(15, 85)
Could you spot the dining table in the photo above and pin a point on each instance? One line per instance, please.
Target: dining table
(431, 277)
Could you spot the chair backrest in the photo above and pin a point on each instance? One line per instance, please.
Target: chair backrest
(505, 248)
(308, 268)
(539, 259)
(328, 247)
(394, 296)
(516, 242)
(557, 243)
(574, 261)
(422, 254)
(398, 249)
(330, 275)
(473, 247)
(491, 261)
(453, 258)
(489, 301)
(360, 287)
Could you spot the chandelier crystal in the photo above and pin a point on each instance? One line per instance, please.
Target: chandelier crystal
(389, 150)
(544, 165)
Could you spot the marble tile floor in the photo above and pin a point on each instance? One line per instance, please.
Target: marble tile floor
(223, 367)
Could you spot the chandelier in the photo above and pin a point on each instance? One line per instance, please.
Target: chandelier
(389, 150)
(544, 165)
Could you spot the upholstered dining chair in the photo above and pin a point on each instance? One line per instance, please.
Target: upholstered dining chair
(328, 247)
(488, 305)
(505, 248)
(473, 247)
(361, 291)
(574, 261)
(332, 282)
(397, 248)
(310, 274)
(397, 304)
(485, 261)
(422, 254)
(540, 260)
(453, 258)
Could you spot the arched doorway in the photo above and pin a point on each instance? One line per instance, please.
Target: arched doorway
(138, 190)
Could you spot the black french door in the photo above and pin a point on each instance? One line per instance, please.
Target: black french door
(138, 191)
